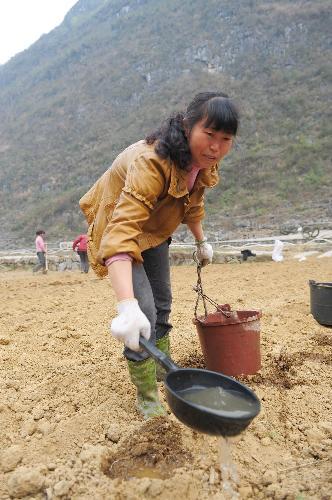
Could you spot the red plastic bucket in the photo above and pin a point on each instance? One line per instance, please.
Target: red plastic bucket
(230, 345)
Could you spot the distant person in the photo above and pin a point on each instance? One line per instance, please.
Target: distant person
(133, 209)
(41, 252)
(80, 246)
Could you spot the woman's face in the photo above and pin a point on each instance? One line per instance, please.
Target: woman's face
(208, 146)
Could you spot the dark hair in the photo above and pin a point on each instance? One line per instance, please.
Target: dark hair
(171, 141)
(39, 232)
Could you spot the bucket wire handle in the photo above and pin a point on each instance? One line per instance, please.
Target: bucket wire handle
(199, 287)
(200, 294)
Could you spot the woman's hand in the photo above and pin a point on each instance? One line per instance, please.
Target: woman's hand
(130, 323)
(204, 252)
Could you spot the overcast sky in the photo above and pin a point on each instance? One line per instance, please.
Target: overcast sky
(22, 22)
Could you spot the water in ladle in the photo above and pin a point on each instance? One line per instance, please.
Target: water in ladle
(218, 400)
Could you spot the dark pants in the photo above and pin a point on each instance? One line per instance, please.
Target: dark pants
(41, 262)
(84, 261)
(152, 289)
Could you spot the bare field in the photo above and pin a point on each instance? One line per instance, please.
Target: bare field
(69, 428)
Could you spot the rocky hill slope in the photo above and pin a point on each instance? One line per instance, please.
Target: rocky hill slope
(114, 68)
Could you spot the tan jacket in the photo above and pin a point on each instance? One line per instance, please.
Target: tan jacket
(138, 203)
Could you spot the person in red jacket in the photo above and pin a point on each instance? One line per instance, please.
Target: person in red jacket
(80, 246)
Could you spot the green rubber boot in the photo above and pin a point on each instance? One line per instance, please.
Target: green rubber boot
(163, 345)
(143, 376)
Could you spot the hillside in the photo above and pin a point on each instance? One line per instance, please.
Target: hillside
(115, 68)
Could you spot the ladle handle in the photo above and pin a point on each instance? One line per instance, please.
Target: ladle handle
(158, 355)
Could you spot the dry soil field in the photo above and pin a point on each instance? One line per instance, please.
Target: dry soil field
(69, 428)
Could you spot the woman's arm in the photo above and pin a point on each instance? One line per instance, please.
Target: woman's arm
(197, 230)
(120, 273)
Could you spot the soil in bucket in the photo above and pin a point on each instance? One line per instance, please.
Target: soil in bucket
(230, 344)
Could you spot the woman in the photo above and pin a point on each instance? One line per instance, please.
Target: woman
(40, 251)
(133, 209)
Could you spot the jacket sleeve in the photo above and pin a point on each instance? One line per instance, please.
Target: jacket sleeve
(145, 182)
(90, 202)
(196, 212)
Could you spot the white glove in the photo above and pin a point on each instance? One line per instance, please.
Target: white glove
(130, 323)
(204, 252)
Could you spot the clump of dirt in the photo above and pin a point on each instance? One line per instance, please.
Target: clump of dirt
(324, 339)
(67, 283)
(279, 373)
(154, 451)
(192, 360)
(283, 371)
(275, 378)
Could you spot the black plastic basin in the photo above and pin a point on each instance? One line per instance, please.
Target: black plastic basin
(321, 302)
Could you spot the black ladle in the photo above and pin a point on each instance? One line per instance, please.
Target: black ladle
(202, 418)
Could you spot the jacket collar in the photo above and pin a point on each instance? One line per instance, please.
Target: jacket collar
(178, 185)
